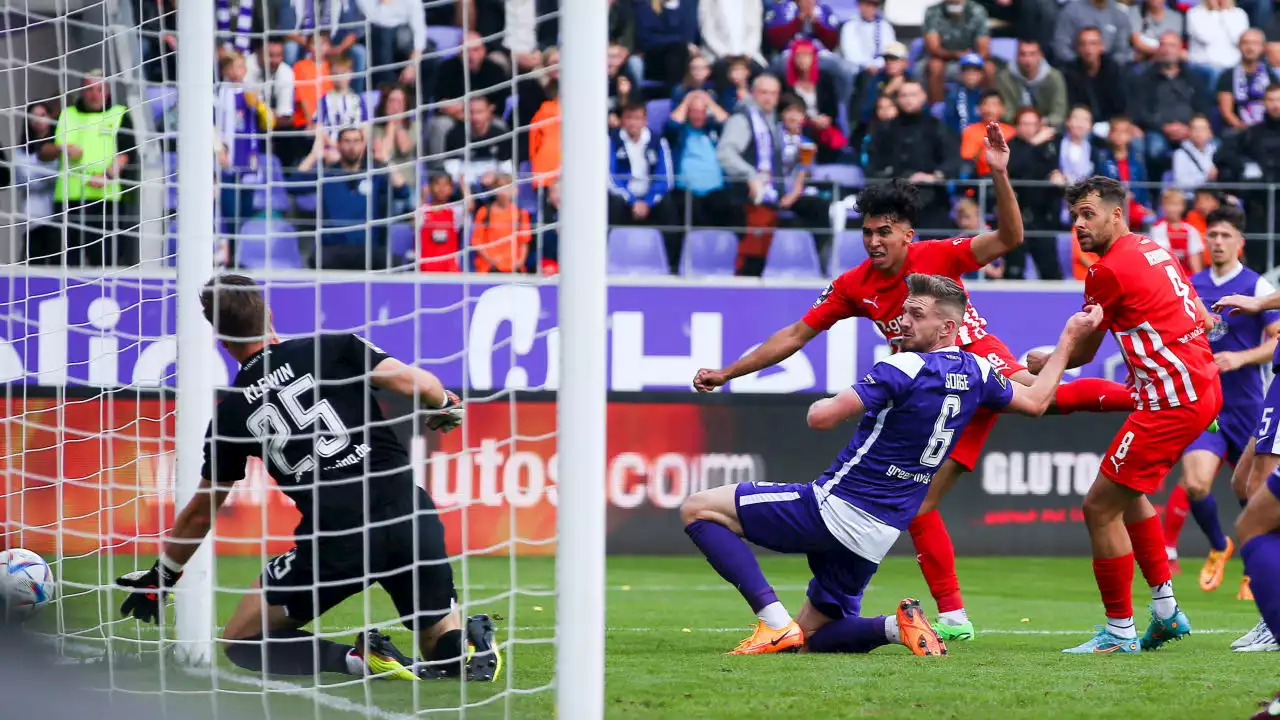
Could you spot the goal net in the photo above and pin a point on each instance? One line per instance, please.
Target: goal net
(365, 170)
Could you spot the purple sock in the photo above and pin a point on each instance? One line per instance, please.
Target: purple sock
(733, 559)
(849, 635)
(1262, 565)
(1205, 511)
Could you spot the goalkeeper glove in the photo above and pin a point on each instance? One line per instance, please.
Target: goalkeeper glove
(448, 416)
(147, 589)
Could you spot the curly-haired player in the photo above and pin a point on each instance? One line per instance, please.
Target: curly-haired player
(876, 289)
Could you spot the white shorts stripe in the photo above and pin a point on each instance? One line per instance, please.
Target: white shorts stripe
(767, 498)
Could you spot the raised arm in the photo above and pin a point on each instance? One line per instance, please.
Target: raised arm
(410, 382)
(989, 246)
(1248, 304)
(1035, 400)
(780, 346)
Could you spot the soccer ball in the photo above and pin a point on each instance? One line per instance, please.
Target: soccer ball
(26, 585)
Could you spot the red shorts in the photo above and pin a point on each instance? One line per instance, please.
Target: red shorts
(1151, 441)
(969, 445)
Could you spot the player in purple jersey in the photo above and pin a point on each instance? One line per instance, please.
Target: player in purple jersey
(911, 406)
(1242, 346)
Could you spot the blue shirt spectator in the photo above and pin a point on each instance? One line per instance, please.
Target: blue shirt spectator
(692, 132)
(640, 168)
(962, 100)
(665, 33)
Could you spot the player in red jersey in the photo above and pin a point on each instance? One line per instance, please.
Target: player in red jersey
(876, 290)
(1160, 324)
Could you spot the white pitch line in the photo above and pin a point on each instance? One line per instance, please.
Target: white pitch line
(333, 702)
(395, 627)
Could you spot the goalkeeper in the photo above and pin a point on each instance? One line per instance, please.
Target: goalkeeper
(306, 408)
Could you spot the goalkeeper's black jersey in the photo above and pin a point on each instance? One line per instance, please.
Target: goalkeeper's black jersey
(306, 408)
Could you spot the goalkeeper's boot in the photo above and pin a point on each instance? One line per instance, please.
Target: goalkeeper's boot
(382, 658)
(954, 632)
(1105, 643)
(1246, 592)
(484, 658)
(767, 640)
(1215, 566)
(1162, 630)
(915, 631)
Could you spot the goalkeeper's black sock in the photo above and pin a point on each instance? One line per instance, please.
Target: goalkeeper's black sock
(445, 655)
(290, 652)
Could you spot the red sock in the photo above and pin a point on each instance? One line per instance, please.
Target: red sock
(937, 558)
(1093, 395)
(1175, 514)
(1115, 582)
(1148, 548)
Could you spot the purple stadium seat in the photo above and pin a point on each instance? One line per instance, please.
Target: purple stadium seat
(637, 251)
(659, 111)
(448, 39)
(847, 251)
(709, 253)
(274, 184)
(1004, 48)
(1064, 254)
(400, 242)
(847, 176)
(792, 254)
(267, 244)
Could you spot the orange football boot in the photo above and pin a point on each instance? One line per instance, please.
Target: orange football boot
(1215, 566)
(766, 640)
(1246, 592)
(916, 632)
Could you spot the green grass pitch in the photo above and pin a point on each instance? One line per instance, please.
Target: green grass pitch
(671, 619)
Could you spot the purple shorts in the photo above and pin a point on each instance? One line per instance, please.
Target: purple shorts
(1273, 483)
(785, 518)
(1267, 439)
(1228, 443)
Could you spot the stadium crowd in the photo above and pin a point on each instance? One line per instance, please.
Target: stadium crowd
(366, 135)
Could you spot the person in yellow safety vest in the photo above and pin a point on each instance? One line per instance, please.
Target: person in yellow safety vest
(94, 144)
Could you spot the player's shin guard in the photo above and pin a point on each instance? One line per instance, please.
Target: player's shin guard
(937, 558)
(289, 652)
(1115, 583)
(1092, 395)
(1262, 564)
(1175, 514)
(1148, 548)
(849, 635)
(1205, 511)
(730, 556)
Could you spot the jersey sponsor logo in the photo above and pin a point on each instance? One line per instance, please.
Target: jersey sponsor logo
(1039, 473)
(896, 472)
(824, 295)
(957, 381)
(356, 455)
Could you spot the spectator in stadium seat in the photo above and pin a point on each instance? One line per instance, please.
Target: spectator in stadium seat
(349, 39)
(748, 149)
(864, 37)
(354, 197)
(477, 153)
(641, 177)
(1240, 89)
(96, 146)
(666, 37)
(500, 233)
(544, 139)
(952, 29)
(1033, 157)
(296, 21)
(732, 28)
(1203, 202)
(1149, 20)
(395, 130)
(1253, 155)
(1094, 79)
(697, 76)
(274, 80)
(36, 177)
(472, 70)
(973, 141)
(790, 20)
(692, 132)
(233, 26)
(1030, 81)
(242, 121)
(439, 242)
(969, 222)
(1175, 234)
(808, 208)
(738, 83)
(1214, 28)
(1164, 99)
(818, 92)
(311, 81)
(1078, 155)
(1119, 161)
(622, 82)
(386, 20)
(1193, 160)
(917, 146)
(884, 83)
(961, 106)
(159, 30)
(341, 107)
(1107, 17)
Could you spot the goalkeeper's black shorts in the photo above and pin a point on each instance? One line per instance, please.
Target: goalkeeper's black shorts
(404, 553)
